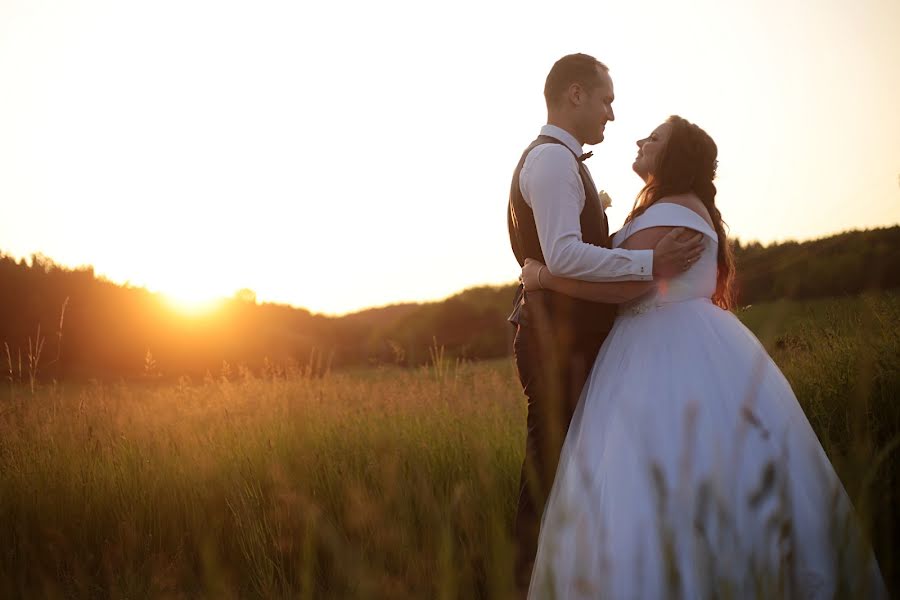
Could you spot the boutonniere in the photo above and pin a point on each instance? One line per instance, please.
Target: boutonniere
(605, 200)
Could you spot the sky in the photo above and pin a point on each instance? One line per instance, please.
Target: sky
(342, 155)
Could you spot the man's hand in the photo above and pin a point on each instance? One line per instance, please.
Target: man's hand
(676, 252)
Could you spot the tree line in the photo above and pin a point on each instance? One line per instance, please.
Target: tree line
(64, 323)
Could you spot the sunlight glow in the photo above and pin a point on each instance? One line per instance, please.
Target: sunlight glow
(357, 154)
(193, 296)
(193, 306)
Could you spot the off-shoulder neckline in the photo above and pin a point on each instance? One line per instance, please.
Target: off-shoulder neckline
(686, 208)
(700, 224)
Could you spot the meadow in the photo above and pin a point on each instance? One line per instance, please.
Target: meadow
(385, 482)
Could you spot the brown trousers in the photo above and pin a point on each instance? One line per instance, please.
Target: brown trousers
(553, 366)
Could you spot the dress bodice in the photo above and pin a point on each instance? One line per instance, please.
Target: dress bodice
(697, 282)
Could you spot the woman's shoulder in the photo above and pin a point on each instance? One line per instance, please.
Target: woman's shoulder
(689, 201)
(666, 213)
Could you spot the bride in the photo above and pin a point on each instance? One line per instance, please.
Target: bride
(689, 469)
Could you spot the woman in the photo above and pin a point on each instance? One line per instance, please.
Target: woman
(689, 469)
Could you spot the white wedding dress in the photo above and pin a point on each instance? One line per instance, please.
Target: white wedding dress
(689, 469)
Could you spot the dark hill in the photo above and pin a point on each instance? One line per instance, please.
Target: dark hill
(119, 331)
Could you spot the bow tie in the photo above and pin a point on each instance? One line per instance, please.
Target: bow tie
(585, 156)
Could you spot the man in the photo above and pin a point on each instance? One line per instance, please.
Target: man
(555, 216)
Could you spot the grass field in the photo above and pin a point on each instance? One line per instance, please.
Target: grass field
(386, 483)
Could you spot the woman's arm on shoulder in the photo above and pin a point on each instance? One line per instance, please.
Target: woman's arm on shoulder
(536, 276)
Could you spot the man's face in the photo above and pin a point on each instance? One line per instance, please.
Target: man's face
(597, 109)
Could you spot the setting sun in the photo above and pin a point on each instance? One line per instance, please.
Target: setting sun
(194, 306)
(191, 296)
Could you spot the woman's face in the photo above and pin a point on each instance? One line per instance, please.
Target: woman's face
(650, 149)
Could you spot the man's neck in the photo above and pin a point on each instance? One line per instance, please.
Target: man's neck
(564, 124)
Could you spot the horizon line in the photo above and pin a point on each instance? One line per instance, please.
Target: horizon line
(433, 300)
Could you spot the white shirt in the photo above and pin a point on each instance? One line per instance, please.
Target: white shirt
(552, 187)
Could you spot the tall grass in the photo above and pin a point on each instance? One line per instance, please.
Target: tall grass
(842, 357)
(389, 483)
(393, 484)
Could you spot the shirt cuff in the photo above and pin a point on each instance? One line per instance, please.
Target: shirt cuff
(643, 264)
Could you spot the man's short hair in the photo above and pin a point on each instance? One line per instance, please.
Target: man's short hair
(572, 68)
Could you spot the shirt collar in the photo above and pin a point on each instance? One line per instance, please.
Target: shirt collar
(564, 136)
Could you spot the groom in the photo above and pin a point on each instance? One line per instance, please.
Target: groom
(555, 216)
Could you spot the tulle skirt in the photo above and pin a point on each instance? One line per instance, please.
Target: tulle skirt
(690, 470)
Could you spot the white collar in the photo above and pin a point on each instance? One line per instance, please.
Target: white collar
(564, 136)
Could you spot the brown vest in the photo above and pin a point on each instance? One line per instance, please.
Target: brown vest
(581, 317)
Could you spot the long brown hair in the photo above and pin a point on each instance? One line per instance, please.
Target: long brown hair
(688, 163)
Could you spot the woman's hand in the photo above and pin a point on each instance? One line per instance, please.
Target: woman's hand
(531, 274)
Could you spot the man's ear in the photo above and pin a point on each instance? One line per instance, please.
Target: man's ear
(576, 94)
